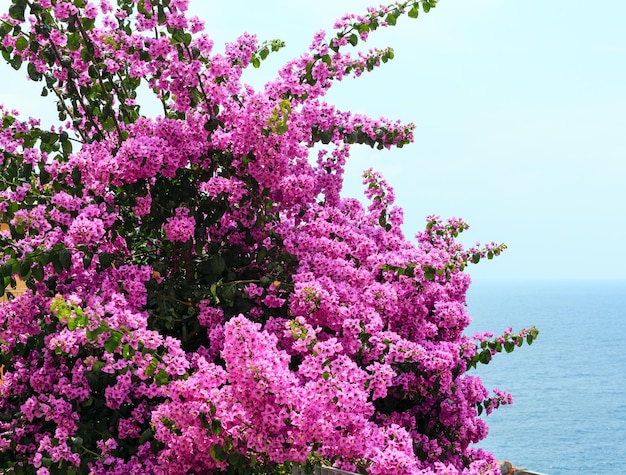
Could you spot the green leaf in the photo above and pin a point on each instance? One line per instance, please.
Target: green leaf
(34, 46)
(76, 442)
(7, 268)
(326, 136)
(228, 294)
(73, 41)
(98, 365)
(309, 73)
(161, 377)
(109, 124)
(228, 444)
(218, 264)
(92, 335)
(236, 460)
(141, 8)
(113, 342)
(25, 267)
(509, 346)
(21, 43)
(81, 318)
(162, 18)
(217, 453)
(429, 273)
(476, 258)
(34, 74)
(76, 176)
(66, 145)
(145, 436)
(37, 272)
(4, 28)
(151, 367)
(51, 283)
(216, 426)
(353, 39)
(16, 62)
(65, 259)
(88, 23)
(17, 10)
(86, 55)
(414, 11)
(105, 259)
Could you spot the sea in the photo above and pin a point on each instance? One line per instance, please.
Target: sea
(569, 387)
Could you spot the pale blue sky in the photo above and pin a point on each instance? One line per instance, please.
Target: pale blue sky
(521, 119)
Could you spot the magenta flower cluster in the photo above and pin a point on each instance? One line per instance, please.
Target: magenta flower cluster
(200, 298)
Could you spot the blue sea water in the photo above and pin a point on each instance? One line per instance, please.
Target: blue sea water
(569, 387)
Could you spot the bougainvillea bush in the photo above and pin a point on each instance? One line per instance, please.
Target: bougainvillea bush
(201, 299)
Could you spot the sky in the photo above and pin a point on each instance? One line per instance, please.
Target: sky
(520, 110)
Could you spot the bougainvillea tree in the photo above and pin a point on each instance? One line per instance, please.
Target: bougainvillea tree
(200, 298)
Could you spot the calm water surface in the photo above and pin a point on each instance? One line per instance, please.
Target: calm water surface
(569, 387)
